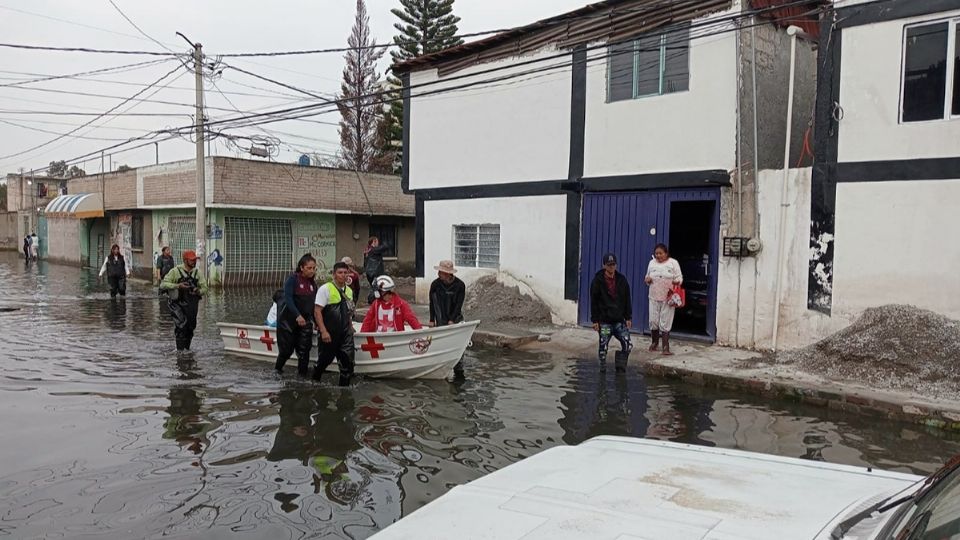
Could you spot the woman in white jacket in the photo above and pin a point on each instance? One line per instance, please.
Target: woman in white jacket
(663, 273)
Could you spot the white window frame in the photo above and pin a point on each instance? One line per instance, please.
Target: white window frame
(636, 67)
(476, 260)
(953, 24)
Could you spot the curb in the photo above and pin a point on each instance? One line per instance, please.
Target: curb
(907, 411)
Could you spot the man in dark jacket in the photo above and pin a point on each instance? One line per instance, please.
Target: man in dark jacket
(611, 311)
(447, 293)
(373, 263)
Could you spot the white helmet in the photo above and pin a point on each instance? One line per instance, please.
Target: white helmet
(382, 285)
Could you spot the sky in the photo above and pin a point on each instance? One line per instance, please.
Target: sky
(222, 26)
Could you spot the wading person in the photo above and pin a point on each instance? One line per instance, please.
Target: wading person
(115, 267)
(388, 312)
(663, 273)
(34, 246)
(295, 316)
(373, 262)
(185, 287)
(165, 263)
(447, 293)
(353, 280)
(333, 313)
(26, 247)
(611, 311)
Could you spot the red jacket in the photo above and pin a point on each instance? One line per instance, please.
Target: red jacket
(402, 313)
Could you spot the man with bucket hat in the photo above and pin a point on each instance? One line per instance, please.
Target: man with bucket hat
(447, 293)
(611, 311)
(185, 287)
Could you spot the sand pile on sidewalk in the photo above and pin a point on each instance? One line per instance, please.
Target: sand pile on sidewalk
(492, 302)
(893, 347)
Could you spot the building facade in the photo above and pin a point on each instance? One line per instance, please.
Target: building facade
(565, 139)
(261, 217)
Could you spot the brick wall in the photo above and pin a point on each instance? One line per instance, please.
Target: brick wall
(257, 183)
(173, 183)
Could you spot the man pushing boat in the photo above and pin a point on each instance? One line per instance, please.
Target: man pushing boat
(333, 313)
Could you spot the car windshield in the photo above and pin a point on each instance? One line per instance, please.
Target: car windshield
(936, 514)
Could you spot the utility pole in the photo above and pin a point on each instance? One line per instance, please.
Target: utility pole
(201, 176)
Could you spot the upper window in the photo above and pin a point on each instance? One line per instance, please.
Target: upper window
(931, 72)
(650, 66)
(476, 246)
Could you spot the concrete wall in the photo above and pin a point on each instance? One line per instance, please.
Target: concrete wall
(257, 184)
(772, 78)
(509, 133)
(889, 249)
(63, 240)
(870, 89)
(690, 130)
(9, 236)
(531, 244)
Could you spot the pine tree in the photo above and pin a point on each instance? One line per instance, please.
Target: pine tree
(360, 106)
(426, 26)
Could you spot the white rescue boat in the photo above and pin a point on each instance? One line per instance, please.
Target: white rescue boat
(430, 353)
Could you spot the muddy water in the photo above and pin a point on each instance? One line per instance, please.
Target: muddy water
(106, 434)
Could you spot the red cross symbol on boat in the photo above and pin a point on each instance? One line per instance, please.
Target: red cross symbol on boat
(372, 347)
(267, 340)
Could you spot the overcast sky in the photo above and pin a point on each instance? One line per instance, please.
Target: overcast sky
(223, 26)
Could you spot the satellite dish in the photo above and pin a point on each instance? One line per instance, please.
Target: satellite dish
(304, 160)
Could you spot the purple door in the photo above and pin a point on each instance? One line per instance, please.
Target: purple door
(630, 224)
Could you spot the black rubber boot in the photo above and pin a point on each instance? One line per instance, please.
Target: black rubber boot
(620, 361)
(666, 344)
(655, 340)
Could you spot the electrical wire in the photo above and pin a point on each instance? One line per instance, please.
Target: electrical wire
(125, 67)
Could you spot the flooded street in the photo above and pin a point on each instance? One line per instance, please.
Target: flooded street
(107, 435)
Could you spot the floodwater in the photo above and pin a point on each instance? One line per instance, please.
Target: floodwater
(106, 434)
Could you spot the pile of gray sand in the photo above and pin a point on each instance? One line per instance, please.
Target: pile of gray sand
(493, 303)
(893, 347)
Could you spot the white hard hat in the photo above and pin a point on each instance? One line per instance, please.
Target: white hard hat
(383, 284)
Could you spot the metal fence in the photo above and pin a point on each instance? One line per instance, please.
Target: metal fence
(181, 235)
(257, 251)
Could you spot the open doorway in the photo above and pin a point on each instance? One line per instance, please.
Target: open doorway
(690, 232)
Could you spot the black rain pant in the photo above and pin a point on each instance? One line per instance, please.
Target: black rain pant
(118, 284)
(341, 348)
(291, 337)
(184, 313)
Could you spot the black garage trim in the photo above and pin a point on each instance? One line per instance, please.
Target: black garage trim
(633, 182)
(405, 147)
(891, 10)
(823, 189)
(896, 170)
(578, 126)
(418, 206)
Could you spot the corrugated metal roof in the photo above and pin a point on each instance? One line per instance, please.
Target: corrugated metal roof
(609, 20)
(80, 205)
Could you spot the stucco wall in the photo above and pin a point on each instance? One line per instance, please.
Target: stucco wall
(9, 239)
(870, 88)
(517, 131)
(531, 244)
(63, 240)
(690, 130)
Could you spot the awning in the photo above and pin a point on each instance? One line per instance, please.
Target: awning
(80, 205)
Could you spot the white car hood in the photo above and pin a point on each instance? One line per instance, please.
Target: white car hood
(621, 488)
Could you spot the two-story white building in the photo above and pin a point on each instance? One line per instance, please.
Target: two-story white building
(614, 127)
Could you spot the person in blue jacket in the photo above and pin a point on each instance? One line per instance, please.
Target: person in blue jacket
(295, 315)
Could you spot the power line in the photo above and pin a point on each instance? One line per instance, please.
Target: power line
(312, 110)
(78, 75)
(15, 124)
(84, 50)
(138, 29)
(117, 106)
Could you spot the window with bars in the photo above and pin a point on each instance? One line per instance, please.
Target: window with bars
(649, 66)
(387, 233)
(476, 246)
(931, 71)
(181, 234)
(257, 251)
(136, 233)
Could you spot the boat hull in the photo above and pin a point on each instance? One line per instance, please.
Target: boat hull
(430, 353)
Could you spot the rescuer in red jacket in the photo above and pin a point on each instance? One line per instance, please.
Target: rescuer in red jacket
(388, 312)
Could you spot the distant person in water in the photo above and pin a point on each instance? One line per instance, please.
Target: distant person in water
(353, 280)
(185, 287)
(165, 263)
(26, 247)
(117, 271)
(34, 246)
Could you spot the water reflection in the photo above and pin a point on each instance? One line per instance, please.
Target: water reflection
(108, 434)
